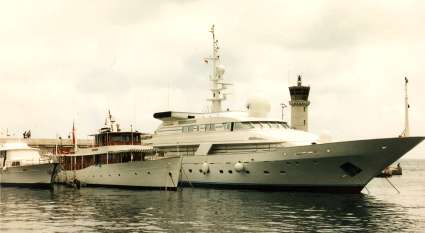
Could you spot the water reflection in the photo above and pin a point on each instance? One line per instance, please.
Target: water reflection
(201, 210)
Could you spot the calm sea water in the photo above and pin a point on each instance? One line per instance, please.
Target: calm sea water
(379, 209)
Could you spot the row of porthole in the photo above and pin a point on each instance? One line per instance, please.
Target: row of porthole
(296, 162)
(313, 152)
(120, 174)
(231, 171)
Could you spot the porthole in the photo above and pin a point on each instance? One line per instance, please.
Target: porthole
(109, 175)
(149, 172)
(266, 172)
(200, 170)
(221, 171)
(190, 170)
(247, 172)
(297, 163)
(119, 174)
(230, 171)
(282, 172)
(252, 160)
(135, 173)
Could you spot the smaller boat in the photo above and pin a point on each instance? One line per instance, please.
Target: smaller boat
(22, 165)
(119, 159)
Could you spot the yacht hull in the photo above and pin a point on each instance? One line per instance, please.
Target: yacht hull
(332, 167)
(39, 175)
(150, 174)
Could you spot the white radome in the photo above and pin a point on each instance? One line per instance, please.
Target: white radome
(258, 107)
(221, 69)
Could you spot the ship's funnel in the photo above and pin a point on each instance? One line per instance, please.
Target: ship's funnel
(258, 107)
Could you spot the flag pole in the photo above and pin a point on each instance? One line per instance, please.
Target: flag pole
(74, 138)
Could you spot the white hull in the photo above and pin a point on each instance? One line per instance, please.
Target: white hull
(304, 168)
(161, 173)
(31, 175)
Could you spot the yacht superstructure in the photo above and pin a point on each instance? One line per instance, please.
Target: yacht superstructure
(21, 165)
(249, 150)
(120, 159)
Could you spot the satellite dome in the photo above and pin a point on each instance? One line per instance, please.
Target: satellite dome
(221, 69)
(258, 107)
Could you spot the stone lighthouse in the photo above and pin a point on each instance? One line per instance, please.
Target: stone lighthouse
(299, 105)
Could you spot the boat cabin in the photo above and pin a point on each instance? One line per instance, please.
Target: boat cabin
(117, 138)
(110, 134)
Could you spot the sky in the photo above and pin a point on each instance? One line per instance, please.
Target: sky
(65, 61)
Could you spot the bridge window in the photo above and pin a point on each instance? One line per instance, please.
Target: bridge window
(185, 129)
(16, 163)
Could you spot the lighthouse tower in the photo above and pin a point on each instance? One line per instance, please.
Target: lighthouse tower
(299, 105)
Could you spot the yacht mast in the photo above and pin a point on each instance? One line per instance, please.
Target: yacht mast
(406, 132)
(216, 78)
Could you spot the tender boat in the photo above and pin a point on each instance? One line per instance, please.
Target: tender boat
(119, 159)
(249, 150)
(21, 165)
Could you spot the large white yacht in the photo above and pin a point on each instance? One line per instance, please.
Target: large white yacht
(119, 159)
(249, 150)
(21, 165)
